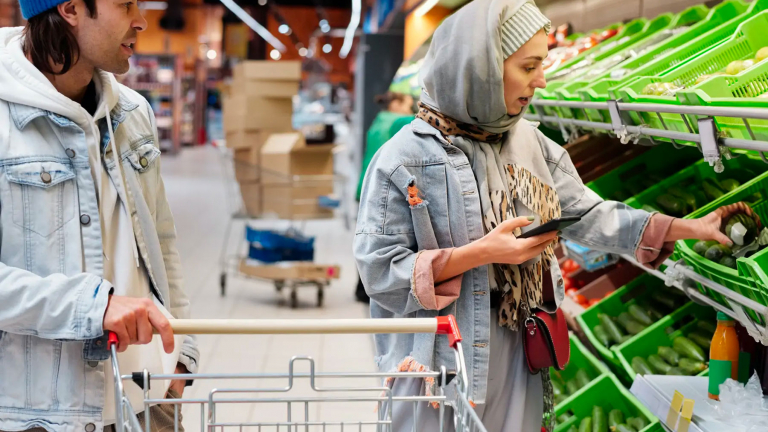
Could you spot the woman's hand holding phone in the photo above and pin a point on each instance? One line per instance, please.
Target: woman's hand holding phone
(500, 246)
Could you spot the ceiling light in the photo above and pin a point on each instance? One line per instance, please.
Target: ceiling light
(425, 7)
(327, 48)
(325, 29)
(262, 2)
(349, 35)
(211, 54)
(323, 22)
(284, 29)
(303, 52)
(274, 54)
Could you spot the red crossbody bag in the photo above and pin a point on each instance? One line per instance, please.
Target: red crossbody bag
(545, 339)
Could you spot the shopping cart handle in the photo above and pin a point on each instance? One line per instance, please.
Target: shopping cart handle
(447, 325)
(111, 340)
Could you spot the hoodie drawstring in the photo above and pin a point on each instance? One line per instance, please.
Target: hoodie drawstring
(119, 168)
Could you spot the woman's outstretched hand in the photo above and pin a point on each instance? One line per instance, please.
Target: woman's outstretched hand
(707, 227)
(500, 246)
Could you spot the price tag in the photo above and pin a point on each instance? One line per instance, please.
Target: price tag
(680, 413)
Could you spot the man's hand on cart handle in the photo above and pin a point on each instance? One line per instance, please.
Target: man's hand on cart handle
(134, 320)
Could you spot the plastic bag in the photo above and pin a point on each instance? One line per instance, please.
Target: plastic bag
(742, 405)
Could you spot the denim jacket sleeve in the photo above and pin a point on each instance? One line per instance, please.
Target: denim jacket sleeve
(385, 245)
(605, 225)
(178, 304)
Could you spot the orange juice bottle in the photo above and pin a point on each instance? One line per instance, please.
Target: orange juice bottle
(723, 355)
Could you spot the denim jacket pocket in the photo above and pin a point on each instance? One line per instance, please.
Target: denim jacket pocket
(143, 157)
(43, 195)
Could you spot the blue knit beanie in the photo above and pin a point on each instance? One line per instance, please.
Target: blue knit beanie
(30, 8)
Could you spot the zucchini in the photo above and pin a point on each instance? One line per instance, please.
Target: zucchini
(624, 319)
(688, 349)
(669, 355)
(572, 386)
(582, 378)
(688, 198)
(557, 389)
(701, 340)
(639, 315)
(626, 338)
(599, 421)
(675, 371)
(691, 367)
(706, 326)
(658, 364)
(625, 428)
(728, 261)
(712, 189)
(671, 205)
(585, 425)
(640, 366)
(601, 335)
(638, 423)
(615, 418)
(663, 299)
(611, 328)
(729, 185)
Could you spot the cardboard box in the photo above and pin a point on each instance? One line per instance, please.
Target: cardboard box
(247, 168)
(286, 155)
(269, 89)
(253, 113)
(298, 200)
(252, 198)
(267, 70)
(248, 139)
(291, 270)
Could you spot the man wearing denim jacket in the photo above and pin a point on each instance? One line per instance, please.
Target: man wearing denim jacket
(87, 239)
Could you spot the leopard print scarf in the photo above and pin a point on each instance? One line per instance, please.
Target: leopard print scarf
(448, 126)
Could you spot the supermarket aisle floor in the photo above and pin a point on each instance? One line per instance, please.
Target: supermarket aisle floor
(196, 190)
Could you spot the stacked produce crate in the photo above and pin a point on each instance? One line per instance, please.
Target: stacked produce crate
(260, 103)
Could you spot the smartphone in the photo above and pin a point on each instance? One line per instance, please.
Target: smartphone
(553, 225)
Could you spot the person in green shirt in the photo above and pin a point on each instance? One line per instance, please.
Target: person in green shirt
(398, 113)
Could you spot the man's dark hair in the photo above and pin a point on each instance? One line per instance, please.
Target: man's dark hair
(48, 39)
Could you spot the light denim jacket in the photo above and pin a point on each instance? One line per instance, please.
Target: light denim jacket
(390, 234)
(52, 295)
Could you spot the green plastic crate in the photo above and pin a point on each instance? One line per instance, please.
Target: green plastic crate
(617, 302)
(683, 321)
(569, 91)
(720, 24)
(749, 279)
(750, 36)
(608, 393)
(581, 358)
(662, 160)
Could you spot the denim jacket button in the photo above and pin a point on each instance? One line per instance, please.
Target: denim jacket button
(143, 162)
(93, 363)
(70, 153)
(45, 177)
(99, 342)
(85, 219)
(90, 427)
(560, 282)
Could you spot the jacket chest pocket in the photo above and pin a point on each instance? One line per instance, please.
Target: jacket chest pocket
(43, 196)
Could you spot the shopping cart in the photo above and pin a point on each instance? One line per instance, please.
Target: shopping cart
(450, 397)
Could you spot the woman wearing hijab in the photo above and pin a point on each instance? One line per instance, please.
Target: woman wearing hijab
(445, 199)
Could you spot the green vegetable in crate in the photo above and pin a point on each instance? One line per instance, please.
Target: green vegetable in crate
(762, 54)
(585, 425)
(688, 349)
(688, 198)
(599, 421)
(625, 428)
(735, 67)
(601, 335)
(675, 371)
(671, 205)
(717, 252)
(632, 326)
(564, 417)
(728, 261)
(706, 327)
(701, 246)
(638, 423)
(582, 378)
(639, 315)
(661, 89)
(664, 299)
(691, 367)
(712, 189)
(611, 328)
(640, 366)
(658, 365)
(572, 387)
(669, 355)
(615, 418)
(729, 185)
(741, 228)
(701, 340)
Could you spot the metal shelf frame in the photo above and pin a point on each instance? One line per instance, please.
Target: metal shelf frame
(707, 139)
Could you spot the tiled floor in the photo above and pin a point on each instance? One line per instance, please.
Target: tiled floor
(197, 192)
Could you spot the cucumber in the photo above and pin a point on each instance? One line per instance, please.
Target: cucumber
(665, 300)
(564, 418)
(585, 425)
(625, 428)
(729, 185)
(675, 371)
(688, 349)
(717, 252)
(615, 418)
(701, 340)
(712, 189)
(611, 328)
(691, 367)
(573, 428)
(625, 318)
(658, 364)
(582, 378)
(639, 315)
(728, 261)
(706, 326)
(669, 355)
(640, 366)
(601, 335)
(671, 205)
(651, 209)
(599, 421)
(557, 389)
(626, 338)
(638, 423)
(688, 198)
(572, 386)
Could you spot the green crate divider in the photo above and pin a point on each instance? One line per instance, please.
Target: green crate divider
(617, 302)
(662, 160)
(647, 342)
(669, 53)
(749, 37)
(608, 393)
(580, 358)
(749, 279)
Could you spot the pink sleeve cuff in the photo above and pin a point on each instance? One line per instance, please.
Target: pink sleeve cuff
(653, 250)
(429, 265)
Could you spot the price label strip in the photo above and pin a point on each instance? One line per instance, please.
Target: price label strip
(680, 413)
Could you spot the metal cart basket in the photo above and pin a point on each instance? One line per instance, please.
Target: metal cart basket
(450, 397)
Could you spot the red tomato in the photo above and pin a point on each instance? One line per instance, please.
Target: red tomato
(593, 302)
(570, 266)
(567, 282)
(580, 299)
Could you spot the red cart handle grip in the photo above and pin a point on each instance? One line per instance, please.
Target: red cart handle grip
(447, 325)
(111, 340)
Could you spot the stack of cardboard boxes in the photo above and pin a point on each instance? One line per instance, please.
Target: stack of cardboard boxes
(268, 154)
